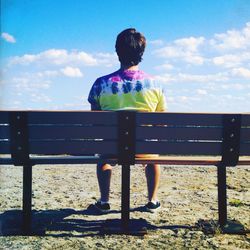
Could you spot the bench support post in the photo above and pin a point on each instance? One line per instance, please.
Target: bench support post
(126, 157)
(125, 196)
(222, 195)
(27, 197)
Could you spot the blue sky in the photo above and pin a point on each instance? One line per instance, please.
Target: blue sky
(52, 51)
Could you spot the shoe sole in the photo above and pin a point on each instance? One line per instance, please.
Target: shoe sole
(101, 210)
(153, 210)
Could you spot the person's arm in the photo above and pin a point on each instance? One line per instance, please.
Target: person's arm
(95, 107)
(162, 104)
(93, 98)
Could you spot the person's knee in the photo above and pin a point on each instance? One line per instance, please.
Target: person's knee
(153, 168)
(104, 166)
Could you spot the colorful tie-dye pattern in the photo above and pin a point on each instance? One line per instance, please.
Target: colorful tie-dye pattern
(127, 89)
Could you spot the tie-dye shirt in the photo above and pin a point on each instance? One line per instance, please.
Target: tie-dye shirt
(127, 89)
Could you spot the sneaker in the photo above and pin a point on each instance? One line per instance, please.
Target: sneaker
(102, 207)
(153, 207)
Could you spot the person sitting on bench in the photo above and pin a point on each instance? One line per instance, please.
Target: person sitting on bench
(131, 89)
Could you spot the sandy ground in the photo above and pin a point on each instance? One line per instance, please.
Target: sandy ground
(62, 194)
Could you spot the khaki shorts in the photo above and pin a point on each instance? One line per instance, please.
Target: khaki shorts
(137, 156)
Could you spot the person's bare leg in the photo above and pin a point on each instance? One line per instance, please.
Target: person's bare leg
(104, 172)
(152, 172)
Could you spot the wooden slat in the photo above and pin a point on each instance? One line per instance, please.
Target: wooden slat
(4, 147)
(73, 147)
(179, 119)
(4, 117)
(188, 160)
(72, 117)
(4, 132)
(173, 133)
(180, 160)
(6, 160)
(244, 160)
(178, 148)
(245, 120)
(245, 149)
(72, 132)
(245, 134)
(71, 160)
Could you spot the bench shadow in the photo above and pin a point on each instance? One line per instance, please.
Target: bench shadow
(69, 222)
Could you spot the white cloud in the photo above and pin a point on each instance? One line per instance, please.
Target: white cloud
(56, 57)
(232, 39)
(183, 99)
(20, 80)
(82, 56)
(229, 49)
(164, 78)
(194, 59)
(168, 52)
(72, 72)
(231, 60)
(241, 72)
(170, 99)
(185, 49)
(219, 77)
(30, 83)
(227, 96)
(166, 66)
(234, 86)
(8, 38)
(107, 59)
(190, 43)
(48, 73)
(227, 60)
(201, 92)
(197, 78)
(40, 97)
(59, 57)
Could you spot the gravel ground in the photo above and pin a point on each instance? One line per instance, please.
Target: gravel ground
(62, 194)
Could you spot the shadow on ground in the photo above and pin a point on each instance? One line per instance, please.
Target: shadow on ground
(69, 222)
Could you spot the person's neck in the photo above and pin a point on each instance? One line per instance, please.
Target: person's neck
(132, 68)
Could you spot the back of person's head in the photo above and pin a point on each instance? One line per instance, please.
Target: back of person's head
(130, 46)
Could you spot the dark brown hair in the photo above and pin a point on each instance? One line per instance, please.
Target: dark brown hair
(130, 46)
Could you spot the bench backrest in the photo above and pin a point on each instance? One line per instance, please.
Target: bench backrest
(57, 133)
(123, 134)
(192, 134)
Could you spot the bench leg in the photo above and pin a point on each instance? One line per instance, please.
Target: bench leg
(27, 197)
(222, 195)
(125, 196)
(127, 226)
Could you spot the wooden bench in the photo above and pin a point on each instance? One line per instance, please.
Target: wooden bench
(28, 138)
